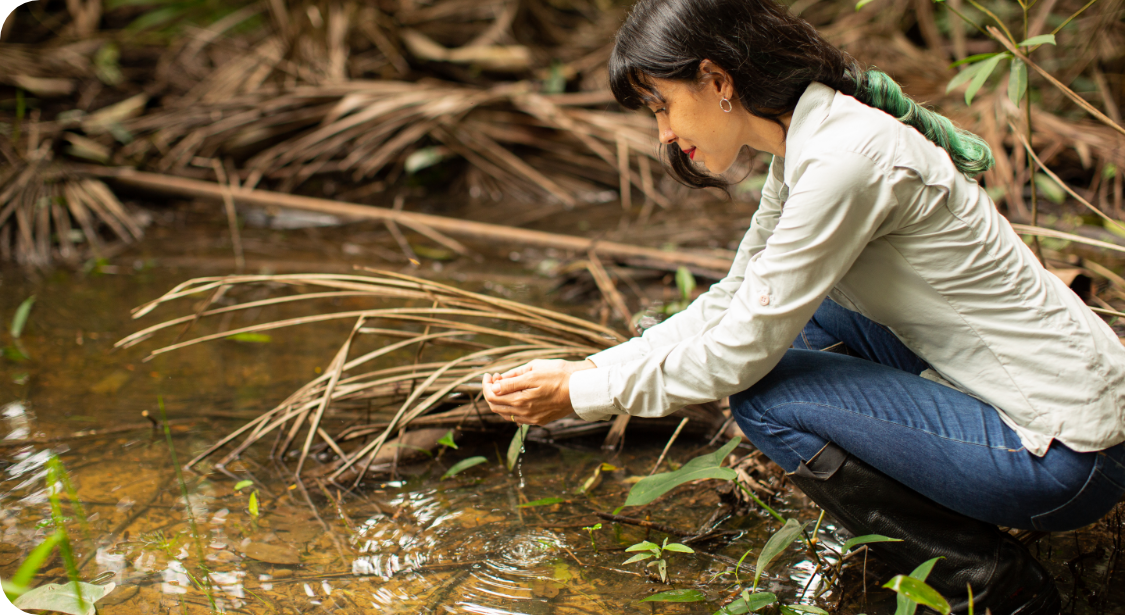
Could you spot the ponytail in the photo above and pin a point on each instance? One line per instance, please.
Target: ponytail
(970, 154)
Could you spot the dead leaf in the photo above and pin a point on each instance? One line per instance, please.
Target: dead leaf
(272, 554)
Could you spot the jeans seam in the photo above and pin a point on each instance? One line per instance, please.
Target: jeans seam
(1096, 471)
(772, 434)
(852, 412)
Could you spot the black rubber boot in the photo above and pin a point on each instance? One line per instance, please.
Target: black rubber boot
(1004, 576)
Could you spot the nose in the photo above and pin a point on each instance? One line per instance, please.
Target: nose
(667, 137)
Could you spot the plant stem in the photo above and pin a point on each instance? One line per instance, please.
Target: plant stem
(994, 18)
(965, 19)
(1031, 177)
(187, 503)
(1071, 18)
(759, 502)
(53, 479)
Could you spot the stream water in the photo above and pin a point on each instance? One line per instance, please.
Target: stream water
(415, 544)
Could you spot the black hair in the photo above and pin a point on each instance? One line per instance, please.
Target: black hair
(771, 56)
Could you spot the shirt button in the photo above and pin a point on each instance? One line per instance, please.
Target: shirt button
(764, 299)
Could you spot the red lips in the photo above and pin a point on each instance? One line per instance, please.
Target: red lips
(690, 153)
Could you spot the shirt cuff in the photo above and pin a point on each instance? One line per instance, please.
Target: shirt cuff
(621, 353)
(589, 394)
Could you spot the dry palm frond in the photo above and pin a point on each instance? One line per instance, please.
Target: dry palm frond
(48, 214)
(366, 128)
(48, 70)
(412, 317)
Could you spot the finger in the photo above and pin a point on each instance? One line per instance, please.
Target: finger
(518, 371)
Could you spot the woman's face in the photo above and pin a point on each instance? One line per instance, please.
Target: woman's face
(689, 116)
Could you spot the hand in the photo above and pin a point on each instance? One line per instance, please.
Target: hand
(533, 394)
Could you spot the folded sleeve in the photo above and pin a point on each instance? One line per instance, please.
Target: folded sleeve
(838, 204)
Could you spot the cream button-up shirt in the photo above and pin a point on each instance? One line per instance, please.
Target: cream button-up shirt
(867, 211)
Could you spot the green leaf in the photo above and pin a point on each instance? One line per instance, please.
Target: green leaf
(987, 66)
(64, 598)
(543, 502)
(20, 319)
(868, 539)
(463, 465)
(677, 595)
(253, 505)
(918, 592)
(35, 559)
(804, 608)
(1050, 188)
(242, 484)
(250, 338)
(644, 546)
(424, 158)
(594, 527)
(516, 446)
(678, 548)
(973, 58)
(1109, 171)
(704, 466)
(775, 546)
(861, 4)
(748, 604)
(685, 282)
(905, 606)
(447, 440)
(964, 76)
(638, 557)
(1042, 39)
(1017, 81)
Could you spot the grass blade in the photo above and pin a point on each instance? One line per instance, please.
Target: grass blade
(20, 319)
(463, 465)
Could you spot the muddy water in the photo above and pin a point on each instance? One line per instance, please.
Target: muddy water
(414, 544)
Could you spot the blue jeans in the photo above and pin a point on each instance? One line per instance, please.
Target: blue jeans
(944, 444)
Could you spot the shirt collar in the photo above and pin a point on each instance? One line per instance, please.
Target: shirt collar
(812, 109)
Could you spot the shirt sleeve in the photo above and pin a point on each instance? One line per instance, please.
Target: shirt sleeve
(838, 204)
(711, 305)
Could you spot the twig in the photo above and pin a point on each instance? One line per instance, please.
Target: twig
(232, 217)
(312, 508)
(1081, 102)
(660, 527)
(88, 434)
(1061, 183)
(463, 228)
(675, 434)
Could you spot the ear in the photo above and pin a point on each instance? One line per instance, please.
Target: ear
(714, 79)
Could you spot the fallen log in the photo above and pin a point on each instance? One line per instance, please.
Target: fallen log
(466, 228)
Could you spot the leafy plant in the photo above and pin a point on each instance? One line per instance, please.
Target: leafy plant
(677, 595)
(447, 440)
(656, 553)
(704, 466)
(590, 530)
(777, 544)
(912, 590)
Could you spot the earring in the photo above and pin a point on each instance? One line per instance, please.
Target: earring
(728, 108)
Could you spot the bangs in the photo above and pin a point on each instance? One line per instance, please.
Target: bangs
(629, 84)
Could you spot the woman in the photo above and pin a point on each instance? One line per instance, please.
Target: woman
(967, 387)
